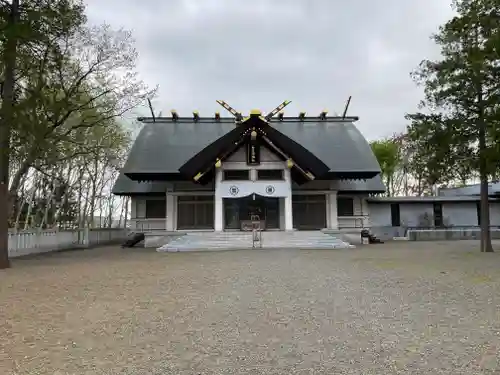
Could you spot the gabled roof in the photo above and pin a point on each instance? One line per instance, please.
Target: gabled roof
(162, 147)
(306, 165)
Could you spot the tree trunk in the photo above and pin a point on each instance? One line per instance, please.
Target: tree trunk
(17, 181)
(21, 198)
(6, 119)
(48, 206)
(125, 222)
(30, 206)
(485, 206)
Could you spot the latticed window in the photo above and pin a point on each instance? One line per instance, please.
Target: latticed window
(195, 212)
(309, 211)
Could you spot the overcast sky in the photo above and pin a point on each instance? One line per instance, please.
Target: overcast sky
(257, 53)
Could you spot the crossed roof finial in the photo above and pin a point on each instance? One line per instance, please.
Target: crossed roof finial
(239, 117)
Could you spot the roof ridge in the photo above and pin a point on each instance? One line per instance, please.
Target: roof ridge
(232, 119)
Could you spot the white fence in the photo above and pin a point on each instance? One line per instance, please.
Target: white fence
(42, 241)
(146, 225)
(351, 222)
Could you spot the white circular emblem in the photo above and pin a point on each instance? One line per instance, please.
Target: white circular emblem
(233, 190)
(269, 189)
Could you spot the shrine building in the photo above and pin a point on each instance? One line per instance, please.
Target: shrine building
(221, 173)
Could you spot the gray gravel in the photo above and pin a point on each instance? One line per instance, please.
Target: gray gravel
(400, 308)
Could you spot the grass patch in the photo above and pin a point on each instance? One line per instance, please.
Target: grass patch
(481, 279)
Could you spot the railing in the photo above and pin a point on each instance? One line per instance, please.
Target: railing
(348, 222)
(256, 231)
(146, 225)
(42, 241)
(458, 232)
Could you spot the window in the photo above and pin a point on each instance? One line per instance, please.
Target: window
(309, 212)
(156, 209)
(395, 215)
(195, 212)
(270, 174)
(438, 215)
(345, 206)
(195, 198)
(237, 175)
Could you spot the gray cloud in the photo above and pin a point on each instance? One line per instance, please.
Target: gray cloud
(255, 54)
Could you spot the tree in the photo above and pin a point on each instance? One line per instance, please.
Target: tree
(25, 23)
(89, 82)
(6, 117)
(389, 154)
(437, 149)
(461, 122)
(71, 84)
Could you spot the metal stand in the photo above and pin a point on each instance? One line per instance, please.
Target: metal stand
(256, 231)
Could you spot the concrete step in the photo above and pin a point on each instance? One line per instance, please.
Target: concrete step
(204, 241)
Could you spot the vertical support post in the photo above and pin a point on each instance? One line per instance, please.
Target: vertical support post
(365, 211)
(282, 213)
(218, 216)
(218, 203)
(333, 222)
(288, 213)
(288, 202)
(86, 236)
(170, 216)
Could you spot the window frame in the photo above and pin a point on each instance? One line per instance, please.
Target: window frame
(202, 215)
(347, 213)
(271, 177)
(236, 177)
(155, 204)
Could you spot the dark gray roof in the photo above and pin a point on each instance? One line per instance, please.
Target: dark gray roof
(340, 145)
(374, 185)
(164, 146)
(125, 186)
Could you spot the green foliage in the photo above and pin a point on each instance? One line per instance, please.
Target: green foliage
(387, 152)
(461, 93)
(40, 22)
(441, 152)
(458, 134)
(389, 155)
(74, 83)
(54, 198)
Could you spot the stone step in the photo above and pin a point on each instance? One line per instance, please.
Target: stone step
(204, 241)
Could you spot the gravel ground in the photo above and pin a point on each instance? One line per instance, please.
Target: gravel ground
(400, 308)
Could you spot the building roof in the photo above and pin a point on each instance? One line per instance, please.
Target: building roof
(166, 145)
(473, 189)
(431, 199)
(126, 186)
(372, 185)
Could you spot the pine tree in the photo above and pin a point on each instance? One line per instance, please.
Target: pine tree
(462, 91)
